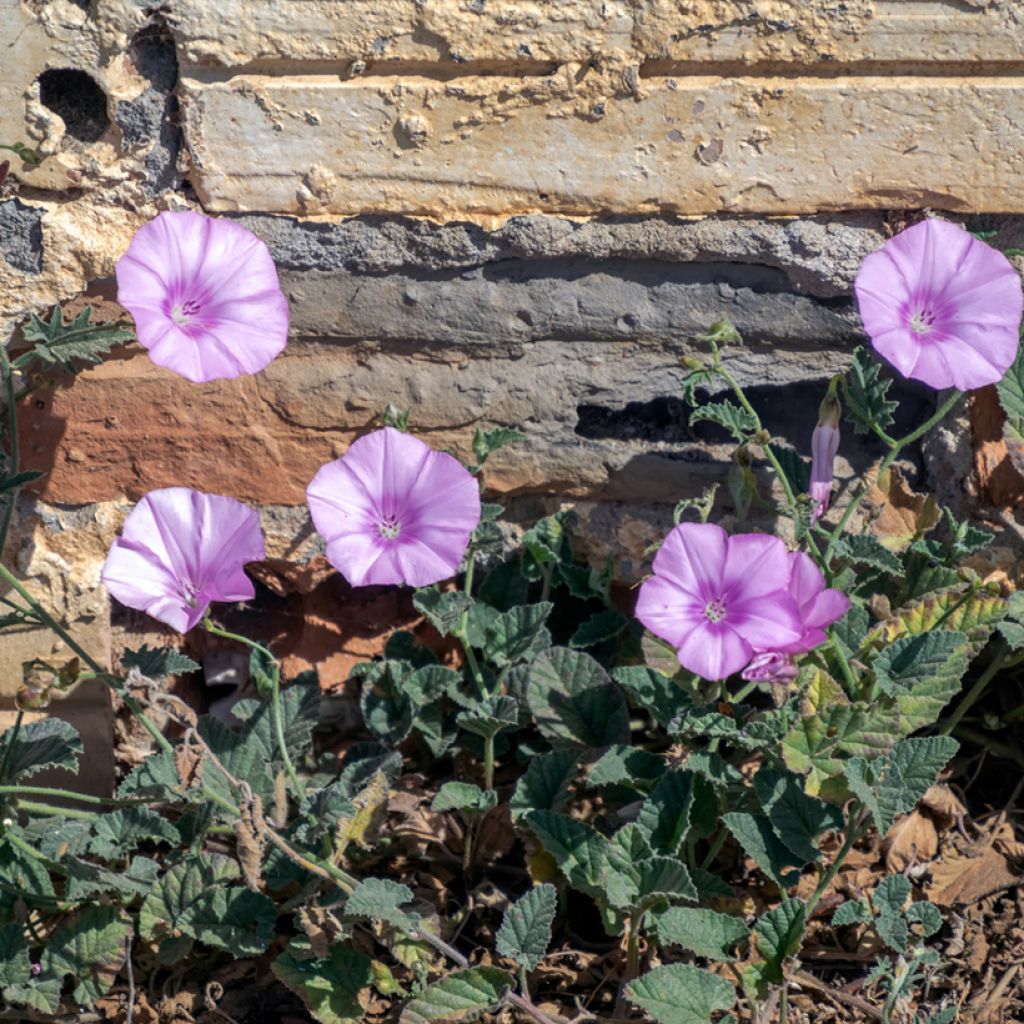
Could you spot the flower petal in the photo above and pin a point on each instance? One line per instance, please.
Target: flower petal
(693, 556)
(667, 610)
(713, 651)
(768, 621)
(756, 564)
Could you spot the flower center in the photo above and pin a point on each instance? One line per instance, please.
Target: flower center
(190, 592)
(185, 311)
(389, 527)
(922, 321)
(714, 611)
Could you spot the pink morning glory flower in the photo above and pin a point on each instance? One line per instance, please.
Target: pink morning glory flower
(819, 605)
(393, 510)
(717, 598)
(941, 306)
(181, 549)
(205, 296)
(824, 446)
(770, 667)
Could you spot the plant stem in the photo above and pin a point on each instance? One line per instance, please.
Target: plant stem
(64, 794)
(51, 623)
(55, 812)
(894, 449)
(13, 452)
(853, 833)
(992, 746)
(15, 729)
(844, 665)
(462, 634)
(275, 699)
(489, 761)
(783, 1003)
(974, 694)
(523, 983)
(716, 846)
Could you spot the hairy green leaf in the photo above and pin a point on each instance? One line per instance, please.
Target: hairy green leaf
(601, 626)
(798, 819)
(92, 946)
(681, 994)
(487, 442)
(490, 716)
(461, 996)
(579, 851)
(36, 746)
(757, 837)
(515, 635)
(851, 912)
(463, 796)
(629, 766)
(866, 394)
(231, 918)
(653, 691)
(704, 932)
(157, 662)
(330, 987)
(665, 815)
(889, 898)
(444, 610)
(867, 550)
(544, 786)
(70, 344)
(526, 928)
(381, 899)
(117, 832)
(778, 935)
(740, 423)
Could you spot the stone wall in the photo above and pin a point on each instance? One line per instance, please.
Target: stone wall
(492, 212)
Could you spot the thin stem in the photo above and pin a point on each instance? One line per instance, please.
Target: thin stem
(54, 812)
(853, 833)
(16, 840)
(894, 449)
(13, 452)
(989, 744)
(783, 1003)
(523, 984)
(15, 729)
(51, 623)
(63, 794)
(462, 633)
(976, 691)
(489, 761)
(275, 698)
(844, 665)
(716, 846)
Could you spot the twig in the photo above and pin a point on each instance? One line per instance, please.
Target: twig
(810, 981)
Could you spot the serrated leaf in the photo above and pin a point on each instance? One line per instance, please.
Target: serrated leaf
(331, 987)
(1011, 389)
(664, 816)
(681, 994)
(526, 928)
(796, 468)
(889, 898)
(740, 423)
(444, 610)
(867, 550)
(381, 899)
(157, 778)
(118, 832)
(601, 626)
(385, 702)
(463, 796)
(48, 743)
(14, 962)
(245, 760)
(92, 946)
(19, 480)
(625, 765)
(487, 442)
(927, 916)
(68, 344)
(778, 935)
(704, 932)
(86, 880)
(892, 784)
(231, 918)
(866, 394)
(544, 786)
(852, 912)
(461, 996)
(757, 837)
(662, 878)
(515, 635)
(653, 691)
(575, 701)
(948, 610)
(157, 662)
(851, 629)
(579, 851)
(798, 819)
(490, 716)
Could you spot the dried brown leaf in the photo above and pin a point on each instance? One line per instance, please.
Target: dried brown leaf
(901, 514)
(965, 879)
(250, 839)
(944, 804)
(911, 840)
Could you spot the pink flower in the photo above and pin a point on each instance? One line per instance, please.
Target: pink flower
(205, 296)
(180, 550)
(824, 445)
(392, 510)
(941, 306)
(717, 598)
(819, 606)
(770, 667)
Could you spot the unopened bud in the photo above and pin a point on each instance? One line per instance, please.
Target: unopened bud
(692, 363)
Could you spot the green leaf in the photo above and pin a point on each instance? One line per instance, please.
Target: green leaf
(798, 819)
(461, 996)
(247, 761)
(157, 662)
(515, 635)
(116, 833)
(664, 698)
(544, 786)
(927, 916)
(778, 935)
(1011, 390)
(381, 899)
(86, 880)
(704, 932)
(796, 468)
(14, 962)
(156, 777)
(681, 994)
(575, 701)
(385, 702)
(922, 673)
(889, 898)
(892, 784)
(463, 796)
(70, 344)
(851, 629)
(852, 912)
(866, 394)
(579, 851)
(601, 626)
(487, 442)
(330, 988)
(665, 815)
(490, 716)
(48, 743)
(740, 423)
(18, 480)
(757, 837)
(867, 550)
(444, 610)
(625, 765)
(662, 878)
(232, 918)
(92, 946)
(526, 928)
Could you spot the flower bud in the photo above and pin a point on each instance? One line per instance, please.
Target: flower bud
(824, 446)
(692, 363)
(770, 667)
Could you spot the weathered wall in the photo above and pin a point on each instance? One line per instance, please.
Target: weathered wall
(492, 212)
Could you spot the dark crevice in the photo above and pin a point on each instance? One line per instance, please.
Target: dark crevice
(78, 100)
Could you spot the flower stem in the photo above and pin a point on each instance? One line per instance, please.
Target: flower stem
(51, 623)
(976, 690)
(894, 449)
(13, 451)
(275, 698)
(55, 812)
(63, 794)
(853, 833)
(462, 633)
(489, 761)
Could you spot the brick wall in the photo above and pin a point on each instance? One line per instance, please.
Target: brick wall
(494, 212)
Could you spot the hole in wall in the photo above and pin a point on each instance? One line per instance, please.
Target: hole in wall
(78, 100)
